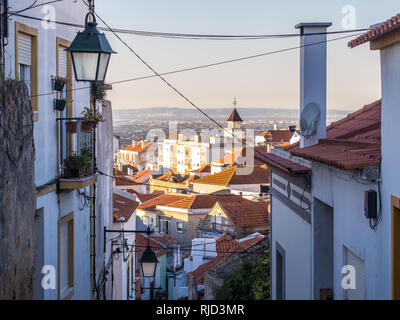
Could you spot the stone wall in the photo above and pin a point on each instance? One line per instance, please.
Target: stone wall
(214, 278)
(17, 192)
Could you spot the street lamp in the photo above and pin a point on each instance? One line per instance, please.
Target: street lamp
(148, 263)
(90, 53)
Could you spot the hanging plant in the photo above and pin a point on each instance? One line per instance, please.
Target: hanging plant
(59, 104)
(59, 83)
(89, 115)
(72, 127)
(100, 92)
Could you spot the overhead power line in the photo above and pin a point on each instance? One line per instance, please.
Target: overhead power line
(193, 36)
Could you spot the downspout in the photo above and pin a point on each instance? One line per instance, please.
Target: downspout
(93, 211)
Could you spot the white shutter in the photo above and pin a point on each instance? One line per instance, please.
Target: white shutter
(24, 50)
(62, 62)
(359, 292)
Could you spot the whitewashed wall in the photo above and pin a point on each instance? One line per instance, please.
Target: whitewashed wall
(55, 207)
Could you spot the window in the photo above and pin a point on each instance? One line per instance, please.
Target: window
(26, 61)
(66, 257)
(280, 272)
(179, 226)
(395, 201)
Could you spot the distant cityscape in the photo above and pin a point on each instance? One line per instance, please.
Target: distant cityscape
(133, 124)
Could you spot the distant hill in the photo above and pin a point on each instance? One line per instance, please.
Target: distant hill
(171, 113)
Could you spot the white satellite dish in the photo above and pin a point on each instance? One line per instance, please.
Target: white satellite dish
(309, 119)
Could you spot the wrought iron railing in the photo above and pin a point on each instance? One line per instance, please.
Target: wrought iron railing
(75, 148)
(213, 226)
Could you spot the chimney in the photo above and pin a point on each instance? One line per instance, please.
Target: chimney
(312, 82)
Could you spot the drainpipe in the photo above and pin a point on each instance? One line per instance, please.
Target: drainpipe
(93, 217)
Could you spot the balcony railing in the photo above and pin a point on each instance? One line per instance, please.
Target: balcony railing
(75, 157)
(207, 225)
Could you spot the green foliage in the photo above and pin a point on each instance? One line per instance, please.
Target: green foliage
(76, 161)
(90, 115)
(249, 282)
(100, 92)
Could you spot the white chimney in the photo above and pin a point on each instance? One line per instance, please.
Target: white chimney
(312, 82)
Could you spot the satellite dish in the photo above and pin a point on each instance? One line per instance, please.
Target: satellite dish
(309, 119)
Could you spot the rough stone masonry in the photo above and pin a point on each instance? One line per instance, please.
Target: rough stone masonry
(17, 192)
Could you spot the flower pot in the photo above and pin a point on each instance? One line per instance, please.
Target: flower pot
(59, 85)
(59, 104)
(71, 173)
(72, 126)
(87, 126)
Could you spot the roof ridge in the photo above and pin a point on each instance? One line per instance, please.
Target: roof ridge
(352, 115)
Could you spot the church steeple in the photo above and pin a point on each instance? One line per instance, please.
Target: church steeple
(234, 117)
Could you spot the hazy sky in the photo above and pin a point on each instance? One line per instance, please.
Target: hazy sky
(270, 81)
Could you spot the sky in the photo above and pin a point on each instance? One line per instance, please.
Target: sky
(266, 82)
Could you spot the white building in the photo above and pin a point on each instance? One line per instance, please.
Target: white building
(334, 196)
(35, 53)
(123, 267)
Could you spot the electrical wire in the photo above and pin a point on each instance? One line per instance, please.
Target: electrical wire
(187, 36)
(223, 62)
(32, 6)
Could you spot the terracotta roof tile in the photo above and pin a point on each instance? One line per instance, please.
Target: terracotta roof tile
(139, 146)
(163, 199)
(277, 136)
(124, 181)
(230, 176)
(143, 197)
(353, 142)
(142, 177)
(222, 256)
(288, 166)
(377, 31)
(220, 178)
(246, 213)
(123, 207)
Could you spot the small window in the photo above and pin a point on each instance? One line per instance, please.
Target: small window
(179, 226)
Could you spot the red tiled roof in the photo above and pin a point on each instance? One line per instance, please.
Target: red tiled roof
(143, 197)
(230, 176)
(204, 169)
(140, 146)
(142, 177)
(200, 201)
(377, 31)
(246, 213)
(163, 199)
(234, 116)
(353, 142)
(123, 207)
(227, 252)
(124, 181)
(277, 136)
(288, 166)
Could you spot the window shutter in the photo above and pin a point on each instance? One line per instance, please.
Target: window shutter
(24, 49)
(62, 62)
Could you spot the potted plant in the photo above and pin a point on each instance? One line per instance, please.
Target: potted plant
(72, 127)
(76, 165)
(59, 83)
(90, 118)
